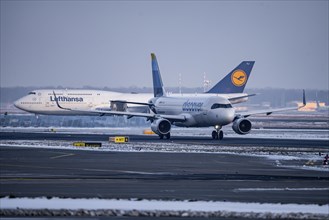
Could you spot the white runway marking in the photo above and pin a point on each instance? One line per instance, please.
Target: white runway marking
(60, 156)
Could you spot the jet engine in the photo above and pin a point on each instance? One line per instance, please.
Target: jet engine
(118, 106)
(161, 126)
(241, 126)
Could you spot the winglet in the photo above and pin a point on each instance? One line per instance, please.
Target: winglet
(236, 80)
(304, 98)
(58, 105)
(158, 88)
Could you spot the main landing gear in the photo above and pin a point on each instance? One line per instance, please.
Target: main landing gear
(164, 135)
(218, 133)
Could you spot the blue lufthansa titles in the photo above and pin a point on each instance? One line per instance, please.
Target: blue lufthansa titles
(192, 106)
(66, 99)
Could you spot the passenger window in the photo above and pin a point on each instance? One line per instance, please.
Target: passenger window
(32, 93)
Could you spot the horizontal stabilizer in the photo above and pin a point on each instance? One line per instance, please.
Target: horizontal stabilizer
(240, 97)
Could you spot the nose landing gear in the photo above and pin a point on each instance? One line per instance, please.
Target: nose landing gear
(218, 133)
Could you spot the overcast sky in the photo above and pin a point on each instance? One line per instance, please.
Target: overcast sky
(108, 43)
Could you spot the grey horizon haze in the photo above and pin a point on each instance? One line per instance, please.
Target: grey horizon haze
(108, 43)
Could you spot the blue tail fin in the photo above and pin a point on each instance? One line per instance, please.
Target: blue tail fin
(235, 81)
(158, 88)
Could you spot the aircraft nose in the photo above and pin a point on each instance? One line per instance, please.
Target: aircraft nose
(228, 116)
(231, 114)
(18, 104)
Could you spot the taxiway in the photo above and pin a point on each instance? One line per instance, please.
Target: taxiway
(204, 140)
(68, 173)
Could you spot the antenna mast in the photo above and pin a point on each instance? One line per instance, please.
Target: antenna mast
(206, 82)
(180, 83)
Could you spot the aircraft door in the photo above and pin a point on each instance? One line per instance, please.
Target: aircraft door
(90, 101)
(204, 116)
(47, 99)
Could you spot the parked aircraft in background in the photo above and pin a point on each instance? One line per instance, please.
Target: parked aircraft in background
(192, 111)
(320, 108)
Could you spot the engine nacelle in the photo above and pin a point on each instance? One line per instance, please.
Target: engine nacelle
(118, 106)
(161, 126)
(241, 126)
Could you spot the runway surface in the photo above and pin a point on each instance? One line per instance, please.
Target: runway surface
(80, 174)
(36, 172)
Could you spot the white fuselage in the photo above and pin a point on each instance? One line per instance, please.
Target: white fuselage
(43, 101)
(198, 111)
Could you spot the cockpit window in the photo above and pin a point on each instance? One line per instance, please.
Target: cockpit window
(217, 105)
(32, 93)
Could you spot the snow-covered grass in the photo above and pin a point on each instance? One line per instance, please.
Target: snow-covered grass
(159, 205)
(281, 189)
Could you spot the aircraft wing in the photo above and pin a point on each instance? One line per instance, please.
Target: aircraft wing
(129, 114)
(136, 103)
(267, 111)
(149, 116)
(270, 111)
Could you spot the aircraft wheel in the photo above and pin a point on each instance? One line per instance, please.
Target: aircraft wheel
(168, 136)
(220, 135)
(161, 136)
(214, 134)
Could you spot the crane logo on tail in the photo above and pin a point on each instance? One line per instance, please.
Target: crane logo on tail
(239, 78)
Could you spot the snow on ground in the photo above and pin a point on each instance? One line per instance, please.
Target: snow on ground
(281, 189)
(159, 205)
